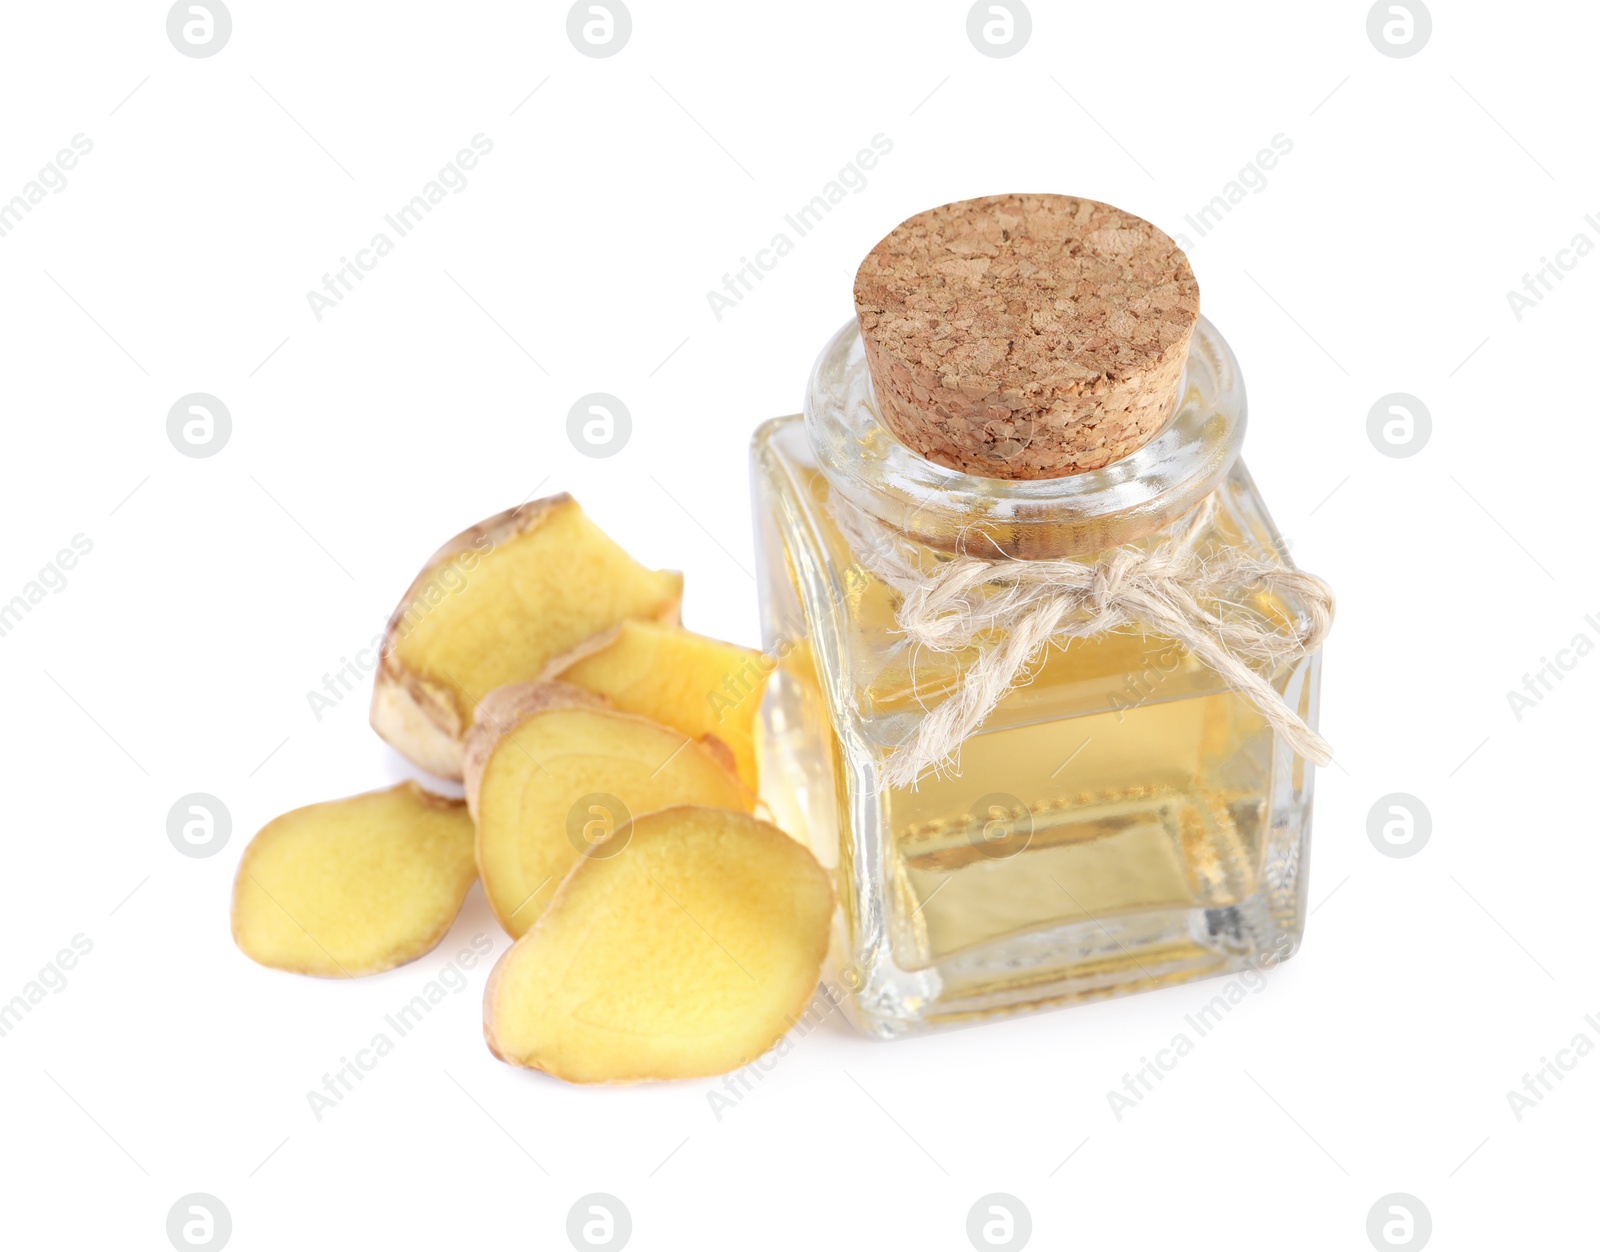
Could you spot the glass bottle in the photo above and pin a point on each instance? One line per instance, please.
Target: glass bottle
(1125, 819)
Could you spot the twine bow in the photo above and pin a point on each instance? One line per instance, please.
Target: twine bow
(1011, 609)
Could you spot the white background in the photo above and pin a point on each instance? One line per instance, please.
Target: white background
(219, 591)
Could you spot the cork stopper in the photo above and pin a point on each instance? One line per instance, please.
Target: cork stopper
(1026, 336)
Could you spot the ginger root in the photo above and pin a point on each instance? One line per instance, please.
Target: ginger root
(551, 771)
(689, 952)
(701, 686)
(494, 606)
(354, 886)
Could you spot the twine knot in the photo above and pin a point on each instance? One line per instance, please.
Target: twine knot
(1010, 610)
(1109, 577)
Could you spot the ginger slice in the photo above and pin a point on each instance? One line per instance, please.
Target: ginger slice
(354, 886)
(494, 606)
(688, 953)
(551, 771)
(701, 686)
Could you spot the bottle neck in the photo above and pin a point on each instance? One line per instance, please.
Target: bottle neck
(1080, 514)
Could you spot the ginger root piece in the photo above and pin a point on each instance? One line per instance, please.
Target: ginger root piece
(355, 886)
(688, 953)
(701, 686)
(551, 771)
(494, 606)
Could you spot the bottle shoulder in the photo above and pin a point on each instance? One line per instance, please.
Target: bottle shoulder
(884, 684)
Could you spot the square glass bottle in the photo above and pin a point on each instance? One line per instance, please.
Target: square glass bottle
(1124, 817)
